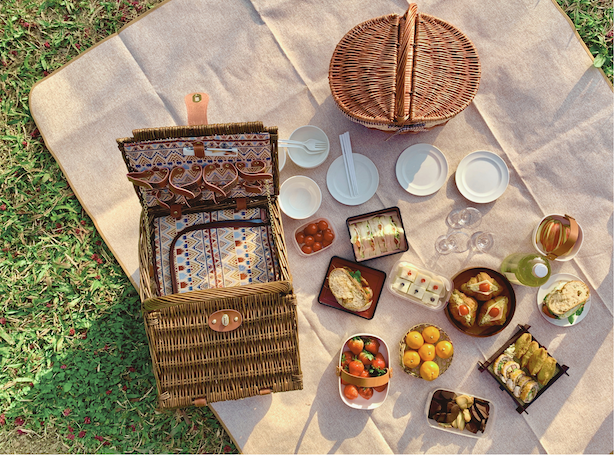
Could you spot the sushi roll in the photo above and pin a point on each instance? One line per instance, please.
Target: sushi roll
(507, 369)
(513, 377)
(496, 367)
(529, 391)
(520, 382)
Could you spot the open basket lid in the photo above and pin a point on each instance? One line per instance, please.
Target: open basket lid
(397, 71)
(202, 165)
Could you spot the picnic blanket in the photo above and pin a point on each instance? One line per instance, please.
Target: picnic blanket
(541, 106)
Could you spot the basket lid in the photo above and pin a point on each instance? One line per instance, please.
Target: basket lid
(404, 69)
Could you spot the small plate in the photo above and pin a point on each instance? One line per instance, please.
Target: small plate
(482, 177)
(508, 291)
(300, 197)
(422, 169)
(299, 156)
(366, 175)
(443, 364)
(375, 278)
(545, 289)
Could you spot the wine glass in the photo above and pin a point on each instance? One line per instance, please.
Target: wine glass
(457, 242)
(482, 241)
(469, 217)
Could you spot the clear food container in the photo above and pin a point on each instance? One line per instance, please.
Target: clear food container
(309, 248)
(465, 432)
(419, 285)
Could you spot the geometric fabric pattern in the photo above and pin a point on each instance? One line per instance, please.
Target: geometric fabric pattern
(179, 152)
(214, 257)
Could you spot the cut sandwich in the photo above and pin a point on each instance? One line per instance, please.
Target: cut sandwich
(350, 289)
(377, 229)
(356, 240)
(392, 233)
(566, 299)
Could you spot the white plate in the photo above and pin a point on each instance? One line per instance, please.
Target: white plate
(366, 175)
(545, 289)
(422, 169)
(300, 197)
(482, 176)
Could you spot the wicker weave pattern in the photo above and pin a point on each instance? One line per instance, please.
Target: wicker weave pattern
(404, 74)
(192, 361)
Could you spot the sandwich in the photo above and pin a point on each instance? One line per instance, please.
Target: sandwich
(392, 233)
(363, 240)
(463, 308)
(537, 361)
(566, 299)
(482, 287)
(522, 345)
(377, 229)
(493, 312)
(350, 289)
(533, 346)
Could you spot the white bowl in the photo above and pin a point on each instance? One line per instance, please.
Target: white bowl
(281, 155)
(567, 257)
(300, 197)
(299, 156)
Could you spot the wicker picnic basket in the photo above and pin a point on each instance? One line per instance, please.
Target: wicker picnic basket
(232, 337)
(404, 74)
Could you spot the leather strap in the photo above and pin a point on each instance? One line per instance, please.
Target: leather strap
(196, 105)
(190, 189)
(208, 169)
(150, 179)
(253, 180)
(571, 240)
(360, 381)
(164, 198)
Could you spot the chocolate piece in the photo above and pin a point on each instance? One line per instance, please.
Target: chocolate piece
(447, 395)
(434, 409)
(453, 410)
(471, 426)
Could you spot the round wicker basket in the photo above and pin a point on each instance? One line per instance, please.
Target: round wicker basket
(404, 74)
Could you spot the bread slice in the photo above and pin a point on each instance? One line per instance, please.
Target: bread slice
(565, 301)
(347, 291)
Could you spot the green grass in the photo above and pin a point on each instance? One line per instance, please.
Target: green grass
(75, 371)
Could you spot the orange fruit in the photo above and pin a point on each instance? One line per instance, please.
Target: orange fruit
(411, 359)
(431, 334)
(427, 351)
(444, 349)
(414, 340)
(429, 370)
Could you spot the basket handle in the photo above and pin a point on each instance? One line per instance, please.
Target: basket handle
(405, 58)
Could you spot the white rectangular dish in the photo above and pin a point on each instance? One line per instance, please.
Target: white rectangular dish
(419, 285)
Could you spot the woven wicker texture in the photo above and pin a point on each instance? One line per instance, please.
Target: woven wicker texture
(404, 73)
(194, 364)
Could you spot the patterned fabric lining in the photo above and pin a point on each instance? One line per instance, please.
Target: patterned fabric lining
(169, 153)
(219, 257)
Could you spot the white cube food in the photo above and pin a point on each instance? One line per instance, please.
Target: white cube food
(417, 291)
(408, 272)
(436, 286)
(401, 285)
(430, 299)
(423, 280)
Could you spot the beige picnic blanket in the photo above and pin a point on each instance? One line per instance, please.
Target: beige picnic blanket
(541, 106)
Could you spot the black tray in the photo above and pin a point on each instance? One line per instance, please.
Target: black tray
(522, 406)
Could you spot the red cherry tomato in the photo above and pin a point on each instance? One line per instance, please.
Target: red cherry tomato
(311, 229)
(309, 240)
(328, 236)
(300, 237)
(494, 312)
(463, 310)
(306, 249)
(317, 246)
(350, 392)
(485, 287)
(325, 244)
(322, 225)
(365, 392)
(319, 237)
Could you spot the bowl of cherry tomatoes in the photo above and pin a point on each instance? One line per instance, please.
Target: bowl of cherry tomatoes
(364, 371)
(314, 236)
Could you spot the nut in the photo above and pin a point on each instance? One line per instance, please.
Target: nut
(466, 415)
(464, 401)
(460, 422)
